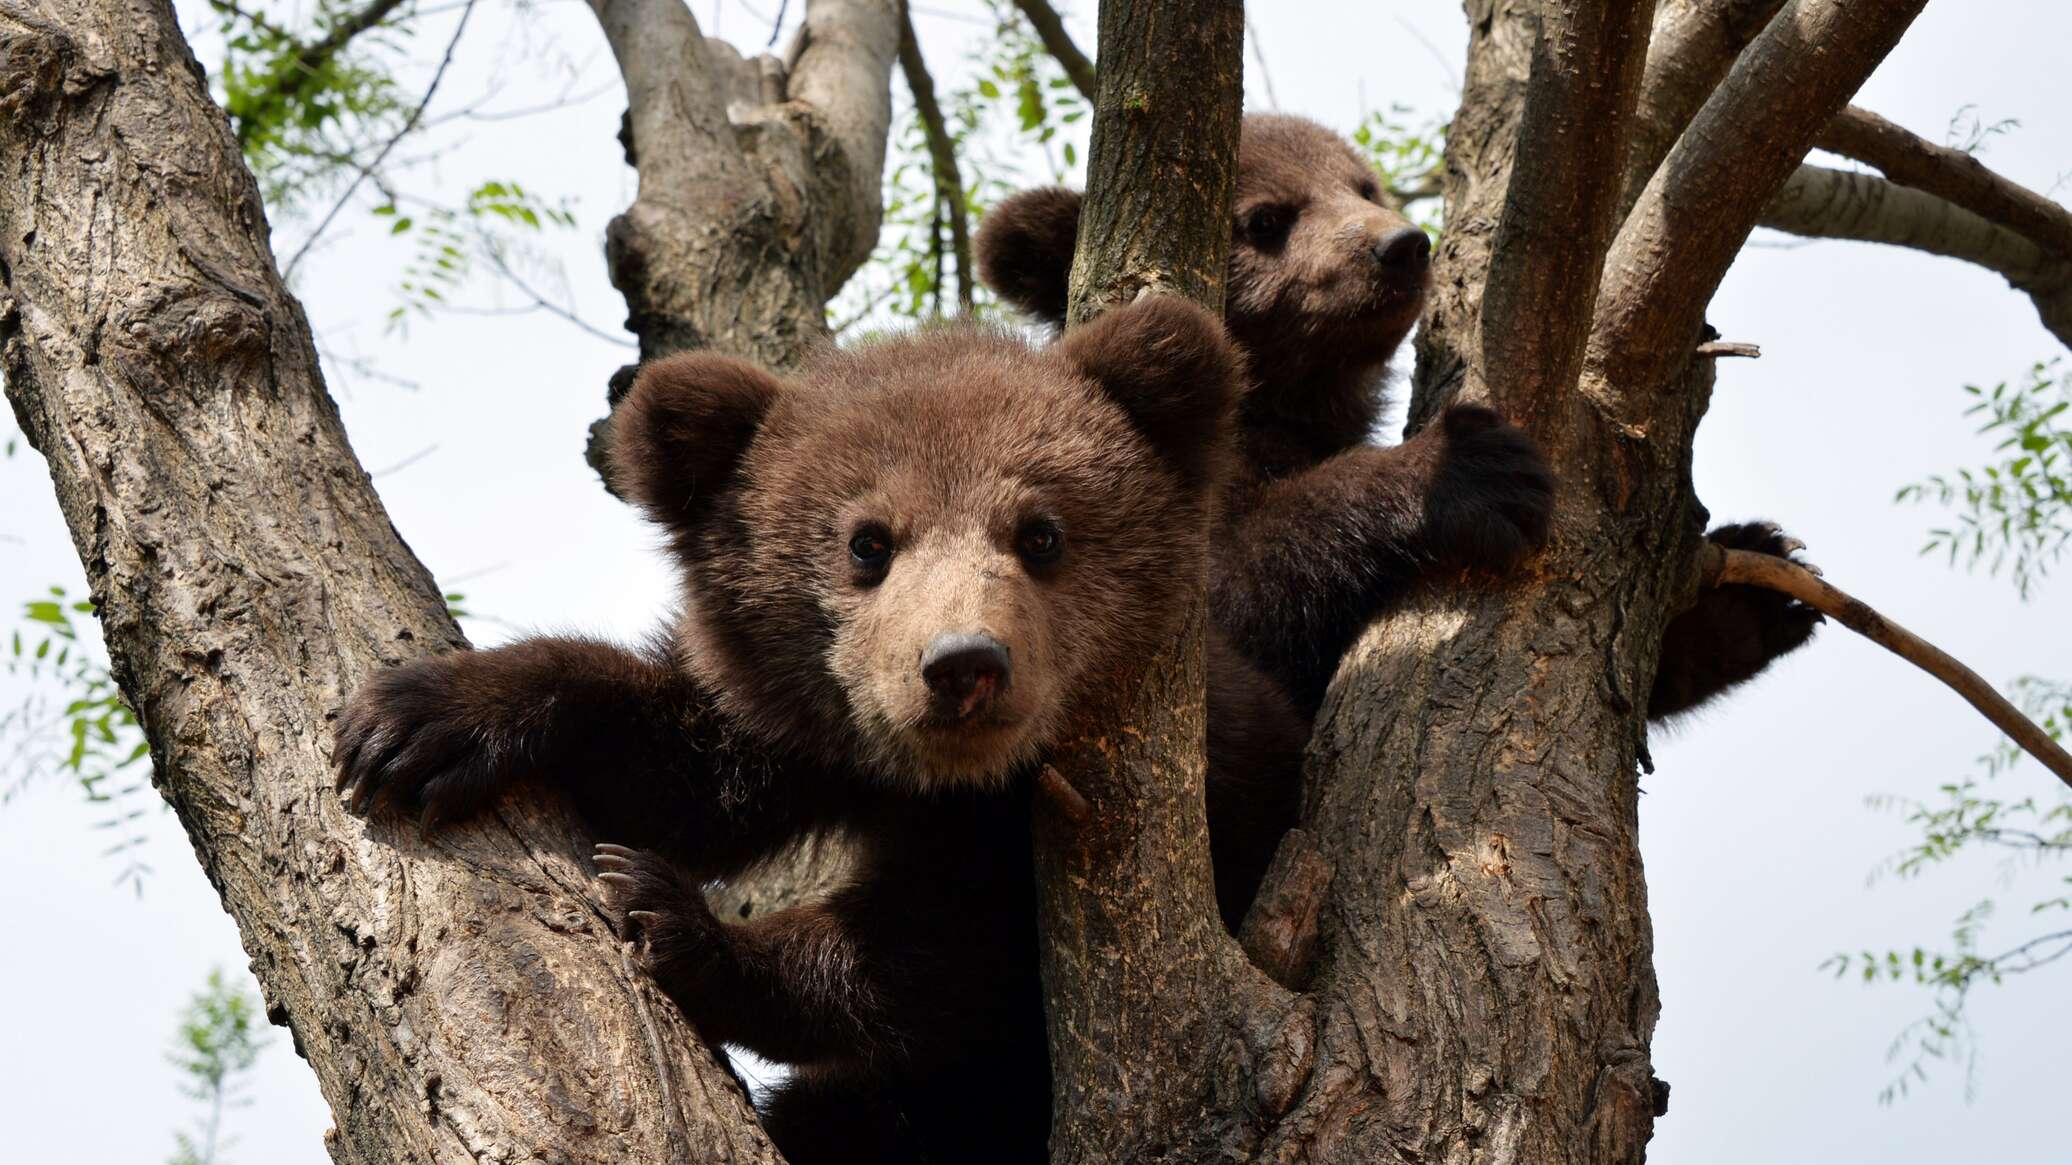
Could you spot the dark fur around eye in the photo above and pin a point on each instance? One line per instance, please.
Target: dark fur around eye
(1040, 542)
(871, 550)
(1267, 227)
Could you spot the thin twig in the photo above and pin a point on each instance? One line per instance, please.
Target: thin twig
(1259, 56)
(416, 114)
(1749, 568)
(942, 156)
(1050, 29)
(503, 268)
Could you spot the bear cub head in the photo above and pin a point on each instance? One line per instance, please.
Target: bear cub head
(1324, 279)
(922, 553)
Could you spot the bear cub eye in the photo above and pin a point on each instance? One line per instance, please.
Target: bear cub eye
(871, 547)
(1268, 226)
(1370, 190)
(1040, 542)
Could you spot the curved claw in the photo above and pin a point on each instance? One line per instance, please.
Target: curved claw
(643, 917)
(607, 849)
(617, 880)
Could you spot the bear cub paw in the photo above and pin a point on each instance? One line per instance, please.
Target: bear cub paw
(1492, 497)
(409, 744)
(656, 908)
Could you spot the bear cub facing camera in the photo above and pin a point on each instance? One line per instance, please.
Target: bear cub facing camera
(905, 569)
(1323, 529)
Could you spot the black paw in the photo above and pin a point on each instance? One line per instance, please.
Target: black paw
(658, 909)
(1730, 633)
(1492, 498)
(1778, 620)
(408, 745)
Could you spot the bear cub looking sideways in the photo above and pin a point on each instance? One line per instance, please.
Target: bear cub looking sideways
(1323, 530)
(905, 567)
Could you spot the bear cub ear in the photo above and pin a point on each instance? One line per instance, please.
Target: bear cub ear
(1171, 368)
(1024, 250)
(682, 430)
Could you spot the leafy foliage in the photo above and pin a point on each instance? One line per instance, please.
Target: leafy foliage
(2015, 512)
(218, 1042)
(304, 105)
(92, 735)
(453, 243)
(1967, 818)
(1017, 94)
(1408, 154)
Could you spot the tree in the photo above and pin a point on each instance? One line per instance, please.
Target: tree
(1469, 881)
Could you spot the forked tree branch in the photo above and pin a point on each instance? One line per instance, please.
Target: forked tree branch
(1951, 174)
(1696, 211)
(1748, 568)
(1050, 29)
(1817, 202)
(1693, 44)
(942, 151)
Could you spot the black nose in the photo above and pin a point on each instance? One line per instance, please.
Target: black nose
(964, 671)
(1404, 254)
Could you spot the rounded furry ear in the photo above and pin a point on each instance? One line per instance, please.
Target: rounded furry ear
(680, 433)
(1171, 368)
(1024, 250)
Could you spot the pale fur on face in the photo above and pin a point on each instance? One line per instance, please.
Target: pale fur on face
(951, 444)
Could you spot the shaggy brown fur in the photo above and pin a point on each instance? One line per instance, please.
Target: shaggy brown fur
(904, 569)
(1325, 530)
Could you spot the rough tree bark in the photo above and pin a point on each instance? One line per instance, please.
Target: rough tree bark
(461, 1000)
(760, 180)
(1153, 1011)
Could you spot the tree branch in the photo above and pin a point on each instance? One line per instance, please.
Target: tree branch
(1153, 1012)
(942, 152)
(1748, 568)
(1950, 174)
(1817, 202)
(1693, 45)
(1561, 206)
(1050, 29)
(1696, 211)
(461, 999)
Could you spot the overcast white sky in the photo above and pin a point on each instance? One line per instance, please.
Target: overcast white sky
(1756, 837)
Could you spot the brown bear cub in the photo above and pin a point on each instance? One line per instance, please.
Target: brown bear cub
(1323, 530)
(905, 567)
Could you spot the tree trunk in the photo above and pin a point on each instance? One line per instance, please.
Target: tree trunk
(460, 999)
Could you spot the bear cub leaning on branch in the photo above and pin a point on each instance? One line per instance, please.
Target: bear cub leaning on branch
(905, 567)
(1323, 530)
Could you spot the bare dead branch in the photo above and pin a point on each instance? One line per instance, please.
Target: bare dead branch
(942, 153)
(1950, 174)
(1561, 206)
(1748, 568)
(1696, 211)
(1693, 45)
(1818, 202)
(1050, 29)
(843, 73)
(1729, 348)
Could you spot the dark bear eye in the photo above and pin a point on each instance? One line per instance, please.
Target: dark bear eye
(1040, 541)
(1370, 190)
(1268, 225)
(871, 547)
